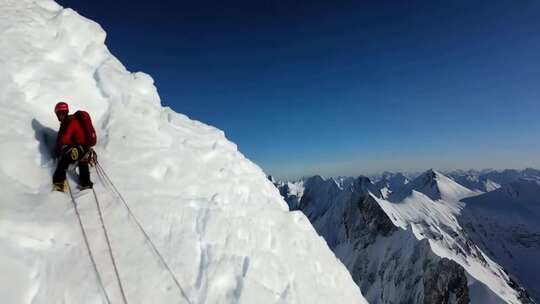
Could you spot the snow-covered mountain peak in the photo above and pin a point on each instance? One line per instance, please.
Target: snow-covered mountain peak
(436, 186)
(217, 221)
(431, 176)
(363, 186)
(318, 180)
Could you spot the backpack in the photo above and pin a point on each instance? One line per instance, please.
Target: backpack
(86, 122)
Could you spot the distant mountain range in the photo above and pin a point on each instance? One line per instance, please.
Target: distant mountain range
(453, 237)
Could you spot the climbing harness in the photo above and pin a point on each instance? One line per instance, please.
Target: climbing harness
(89, 156)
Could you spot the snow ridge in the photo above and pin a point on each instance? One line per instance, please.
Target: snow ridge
(436, 186)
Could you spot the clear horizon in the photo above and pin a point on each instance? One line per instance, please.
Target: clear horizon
(308, 88)
(404, 172)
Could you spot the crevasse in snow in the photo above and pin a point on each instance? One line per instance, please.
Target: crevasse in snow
(221, 225)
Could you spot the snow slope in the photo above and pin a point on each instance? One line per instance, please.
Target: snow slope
(431, 206)
(505, 223)
(436, 186)
(220, 224)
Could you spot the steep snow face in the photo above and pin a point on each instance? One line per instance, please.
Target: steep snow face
(505, 223)
(220, 224)
(437, 222)
(394, 249)
(436, 186)
(391, 265)
(433, 210)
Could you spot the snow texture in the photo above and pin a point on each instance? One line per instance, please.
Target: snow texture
(220, 224)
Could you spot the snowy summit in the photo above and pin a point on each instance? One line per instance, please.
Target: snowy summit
(220, 225)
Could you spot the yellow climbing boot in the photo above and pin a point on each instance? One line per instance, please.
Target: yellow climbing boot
(60, 187)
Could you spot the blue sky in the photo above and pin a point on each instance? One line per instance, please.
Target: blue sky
(344, 88)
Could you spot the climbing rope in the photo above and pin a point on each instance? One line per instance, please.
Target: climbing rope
(104, 177)
(107, 239)
(111, 255)
(90, 254)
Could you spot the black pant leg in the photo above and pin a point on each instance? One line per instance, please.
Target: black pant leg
(60, 172)
(84, 174)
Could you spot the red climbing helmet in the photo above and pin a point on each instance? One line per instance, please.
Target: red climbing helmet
(61, 107)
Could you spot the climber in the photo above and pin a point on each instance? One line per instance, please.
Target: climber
(73, 145)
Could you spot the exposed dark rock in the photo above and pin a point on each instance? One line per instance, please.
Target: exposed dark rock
(523, 295)
(375, 218)
(445, 282)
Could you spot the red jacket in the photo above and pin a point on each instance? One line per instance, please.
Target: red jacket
(71, 133)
